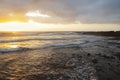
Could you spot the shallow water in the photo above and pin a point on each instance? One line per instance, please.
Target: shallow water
(35, 40)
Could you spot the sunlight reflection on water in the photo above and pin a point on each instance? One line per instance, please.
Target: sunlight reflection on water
(36, 40)
(14, 46)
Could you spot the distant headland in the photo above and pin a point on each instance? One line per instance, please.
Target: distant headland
(109, 33)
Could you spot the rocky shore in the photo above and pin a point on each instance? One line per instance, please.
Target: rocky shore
(78, 62)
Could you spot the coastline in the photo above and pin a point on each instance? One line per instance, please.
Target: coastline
(109, 33)
(63, 63)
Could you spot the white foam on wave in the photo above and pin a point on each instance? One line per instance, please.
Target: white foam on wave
(9, 50)
(21, 40)
(42, 47)
(65, 44)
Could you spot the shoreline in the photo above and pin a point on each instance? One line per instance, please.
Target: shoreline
(109, 33)
(64, 63)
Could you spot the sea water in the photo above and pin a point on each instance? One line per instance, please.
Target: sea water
(17, 41)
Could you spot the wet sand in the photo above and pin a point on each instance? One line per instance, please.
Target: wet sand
(78, 62)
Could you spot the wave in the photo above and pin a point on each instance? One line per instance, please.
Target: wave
(22, 40)
(13, 50)
(65, 44)
(42, 47)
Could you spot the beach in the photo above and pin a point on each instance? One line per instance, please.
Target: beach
(89, 58)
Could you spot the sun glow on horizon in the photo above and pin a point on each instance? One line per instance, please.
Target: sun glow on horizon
(21, 26)
(31, 25)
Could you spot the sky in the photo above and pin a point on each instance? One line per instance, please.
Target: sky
(78, 15)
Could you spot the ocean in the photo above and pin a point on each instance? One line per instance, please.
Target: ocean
(18, 41)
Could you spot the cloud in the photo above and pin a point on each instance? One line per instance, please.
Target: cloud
(65, 11)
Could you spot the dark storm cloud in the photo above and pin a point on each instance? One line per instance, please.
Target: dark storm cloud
(66, 11)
